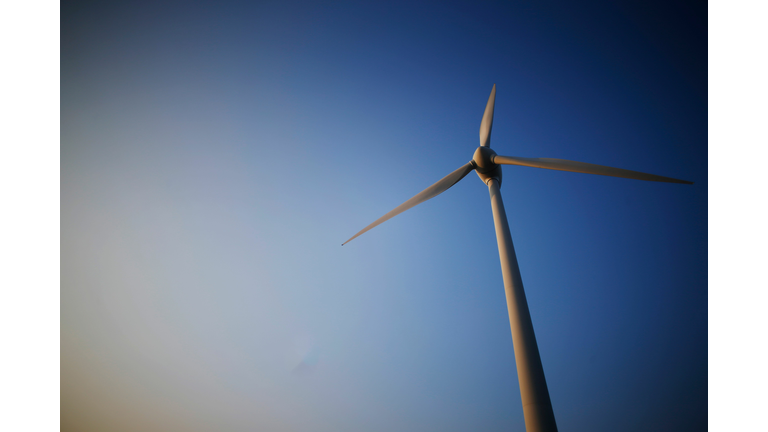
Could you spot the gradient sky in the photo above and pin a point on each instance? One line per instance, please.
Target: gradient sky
(214, 156)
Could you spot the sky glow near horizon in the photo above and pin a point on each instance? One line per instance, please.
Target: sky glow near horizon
(214, 157)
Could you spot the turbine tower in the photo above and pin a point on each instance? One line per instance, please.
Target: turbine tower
(537, 408)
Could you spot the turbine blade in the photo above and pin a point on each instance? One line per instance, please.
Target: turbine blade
(436, 189)
(487, 123)
(582, 167)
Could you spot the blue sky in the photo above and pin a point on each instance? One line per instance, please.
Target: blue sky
(214, 157)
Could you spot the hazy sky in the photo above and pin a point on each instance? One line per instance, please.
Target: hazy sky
(214, 156)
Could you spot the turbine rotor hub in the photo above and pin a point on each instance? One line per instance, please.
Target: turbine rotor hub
(484, 165)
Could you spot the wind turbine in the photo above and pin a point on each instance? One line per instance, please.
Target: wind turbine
(537, 408)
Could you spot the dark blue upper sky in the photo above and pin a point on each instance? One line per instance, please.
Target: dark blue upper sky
(215, 155)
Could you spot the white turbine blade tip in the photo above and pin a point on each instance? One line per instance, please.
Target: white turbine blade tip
(487, 123)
